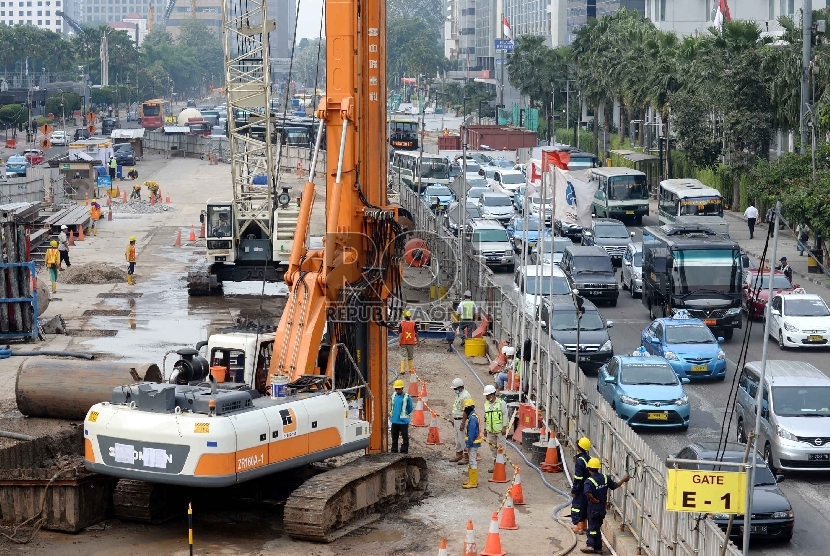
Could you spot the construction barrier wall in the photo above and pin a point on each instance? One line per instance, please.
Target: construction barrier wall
(570, 405)
(41, 184)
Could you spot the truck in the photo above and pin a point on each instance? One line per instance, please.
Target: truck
(692, 268)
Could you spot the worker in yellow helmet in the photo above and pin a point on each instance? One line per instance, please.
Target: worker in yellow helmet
(579, 503)
(472, 439)
(53, 261)
(136, 194)
(131, 257)
(94, 216)
(407, 339)
(596, 491)
(400, 413)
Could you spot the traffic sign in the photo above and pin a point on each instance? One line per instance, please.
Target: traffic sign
(90, 117)
(45, 129)
(91, 129)
(504, 45)
(45, 144)
(720, 492)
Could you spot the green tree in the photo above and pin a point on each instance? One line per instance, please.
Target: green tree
(13, 114)
(412, 49)
(64, 103)
(429, 12)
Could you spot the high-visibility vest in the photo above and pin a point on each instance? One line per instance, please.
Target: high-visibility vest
(457, 410)
(95, 212)
(477, 440)
(404, 414)
(408, 336)
(113, 162)
(494, 415)
(468, 308)
(53, 257)
(600, 489)
(130, 253)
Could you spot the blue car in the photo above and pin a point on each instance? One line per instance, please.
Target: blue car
(645, 391)
(438, 197)
(516, 232)
(688, 345)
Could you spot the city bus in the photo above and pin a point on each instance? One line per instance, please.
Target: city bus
(621, 193)
(433, 169)
(690, 199)
(403, 134)
(153, 113)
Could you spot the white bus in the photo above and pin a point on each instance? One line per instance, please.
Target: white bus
(431, 170)
(621, 193)
(690, 200)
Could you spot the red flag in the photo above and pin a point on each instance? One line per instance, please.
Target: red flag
(559, 159)
(535, 174)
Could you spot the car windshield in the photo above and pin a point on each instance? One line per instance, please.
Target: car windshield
(638, 259)
(504, 163)
(476, 192)
(473, 212)
(625, 188)
(648, 373)
(689, 334)
(578, 162)
(513, 179)
(801, 401)
(538, 201)
(477, 182)
(471, 167)
(611, 231)
(532, 224)
(592, 264)
(763, 476)
(558, 245)
(481, 236)
(547, 285)
(565, 319)
(805, 308)
(219, 221)
(780, 282)
(438, 191)
(497, 201)
(711, 270)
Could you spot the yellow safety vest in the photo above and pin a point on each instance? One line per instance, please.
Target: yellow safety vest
(53, 257)
(404, 414)
(467, 309)
(457, 410)
(477, 441)
(494, 415)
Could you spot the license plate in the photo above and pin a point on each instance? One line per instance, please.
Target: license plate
(815, 338)
(594, 292)
(700, 368)
(818, 457)
(629, 212)
(662, 416)
(710, 322)
(584, 358)
(758, 529)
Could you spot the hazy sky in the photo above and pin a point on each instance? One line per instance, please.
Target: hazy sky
(308, 24)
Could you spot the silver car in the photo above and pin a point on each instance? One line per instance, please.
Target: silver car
(631, 277)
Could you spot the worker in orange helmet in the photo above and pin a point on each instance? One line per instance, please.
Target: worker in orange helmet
(94, 216)
(131, 256)
(53, 261)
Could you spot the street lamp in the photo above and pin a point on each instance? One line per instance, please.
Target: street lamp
(129, 95)
(579, 303)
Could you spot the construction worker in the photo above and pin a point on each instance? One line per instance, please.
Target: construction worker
(495, 421)
(469, 313)
(94, 216)
(133, 175)
(131, 261)
(503, 376)
(579, 502)
(136, 194)
(63, 247)
(596, 491)
(407, 339)
(472, 440)
(53, 262)
(113, 166)
(461, 396)
(154, 190)
(400, 411)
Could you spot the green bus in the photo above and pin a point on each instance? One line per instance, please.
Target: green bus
(433, 169)
(621, 193)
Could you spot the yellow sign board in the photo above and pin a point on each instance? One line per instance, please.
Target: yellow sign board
(720, 492)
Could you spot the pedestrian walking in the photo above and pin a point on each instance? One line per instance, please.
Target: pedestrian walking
(802, 232)
(751, 214)
(131, 261)
(785, 269)
(400, 411)
(461, 396)
(472, 440)
(596, 491)
(495, 421)
(469, 314)
(63, 247)
(113, 166)
(53, 261)
(579, 504)
(94, 216)
(407, 339)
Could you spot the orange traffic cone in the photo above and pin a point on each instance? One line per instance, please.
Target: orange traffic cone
(178, 242)
(552, 463)
(418, 415)
(80, 233)
(117, 190)
(442, 548)
(87, 199)
(192, 236)
(202, 231)
(124, 196)
(433, 438)
(424, 395)
(499, 472)
(413, 383)
(508, 516)
(513, 382)
(470, 548)
(71, 238)
(493, 545)
(152, 199)
(167, 200)
(516, 492)
(109, 215)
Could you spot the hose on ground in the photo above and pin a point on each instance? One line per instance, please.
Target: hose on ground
(16, 435)
(75, 354)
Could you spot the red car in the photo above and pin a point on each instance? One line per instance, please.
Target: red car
(755, 292)
(35, 156)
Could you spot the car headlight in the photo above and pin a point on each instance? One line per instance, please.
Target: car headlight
(782, 515)
(785, 434)
(721, 355)
(508, 251)
(670, 356)
(789, 327)
(606, 346)
(628, 400)
(733, 311)
(720, 516)
(682, 401)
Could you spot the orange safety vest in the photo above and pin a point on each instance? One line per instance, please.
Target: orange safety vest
(95, 212)
(131, 253)
(53, 257)
(408, 336)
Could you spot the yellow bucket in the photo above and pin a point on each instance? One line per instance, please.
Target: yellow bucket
(475, 347)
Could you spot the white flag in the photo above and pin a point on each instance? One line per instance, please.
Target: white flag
(508, 33)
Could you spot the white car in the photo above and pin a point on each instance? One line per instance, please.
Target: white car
(800, 319)
(536, 204)
(507, 181)
(59, 137)
(631, 277)
(537, 282)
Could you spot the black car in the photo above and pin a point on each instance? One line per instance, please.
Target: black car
(590, 271)
(568, 229)
(124, 154)
(191, 103)
(772, 513)
(611, 235)
(108, 124)
(81, 133)
(595, 348)
(452, 218)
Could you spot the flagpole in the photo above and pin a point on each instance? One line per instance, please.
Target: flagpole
(503, 46)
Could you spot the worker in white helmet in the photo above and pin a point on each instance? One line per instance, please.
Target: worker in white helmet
(495, 421)
(503, 376)
(461, 394)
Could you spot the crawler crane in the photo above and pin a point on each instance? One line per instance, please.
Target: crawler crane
(329, 347)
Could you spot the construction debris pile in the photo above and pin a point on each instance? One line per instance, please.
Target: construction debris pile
(135, 206)
(93, 273)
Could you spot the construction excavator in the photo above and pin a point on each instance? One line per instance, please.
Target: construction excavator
(320, 390)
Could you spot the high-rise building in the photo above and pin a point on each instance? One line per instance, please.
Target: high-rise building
(209, 11)
(529, 17)
(40, 13)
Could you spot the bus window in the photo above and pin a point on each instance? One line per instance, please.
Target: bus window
(626, 188)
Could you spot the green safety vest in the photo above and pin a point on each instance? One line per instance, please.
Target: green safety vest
(457, 410)
(494, 416)
(467, 309)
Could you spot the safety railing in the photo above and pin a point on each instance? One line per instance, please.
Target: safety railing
(571, 405)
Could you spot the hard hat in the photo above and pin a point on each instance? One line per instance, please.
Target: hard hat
(457, 383)
(407, 313)
(397, 384)
(63, 227)
(95, 200)
(508, 350)
(467, 293)
(584, 443)
(489, 389)
(132, 238)
(594, 463)
(53, 243)
(468, 403)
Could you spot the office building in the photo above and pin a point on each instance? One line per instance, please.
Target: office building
(40, 13)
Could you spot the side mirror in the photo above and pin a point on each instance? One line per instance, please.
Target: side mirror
(655, 340)
(721, 339)
(631, 235)
(610, 324)
(684, 381)
(610, 379)
(779, 478)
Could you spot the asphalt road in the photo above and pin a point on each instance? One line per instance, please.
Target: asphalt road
(808, 493)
